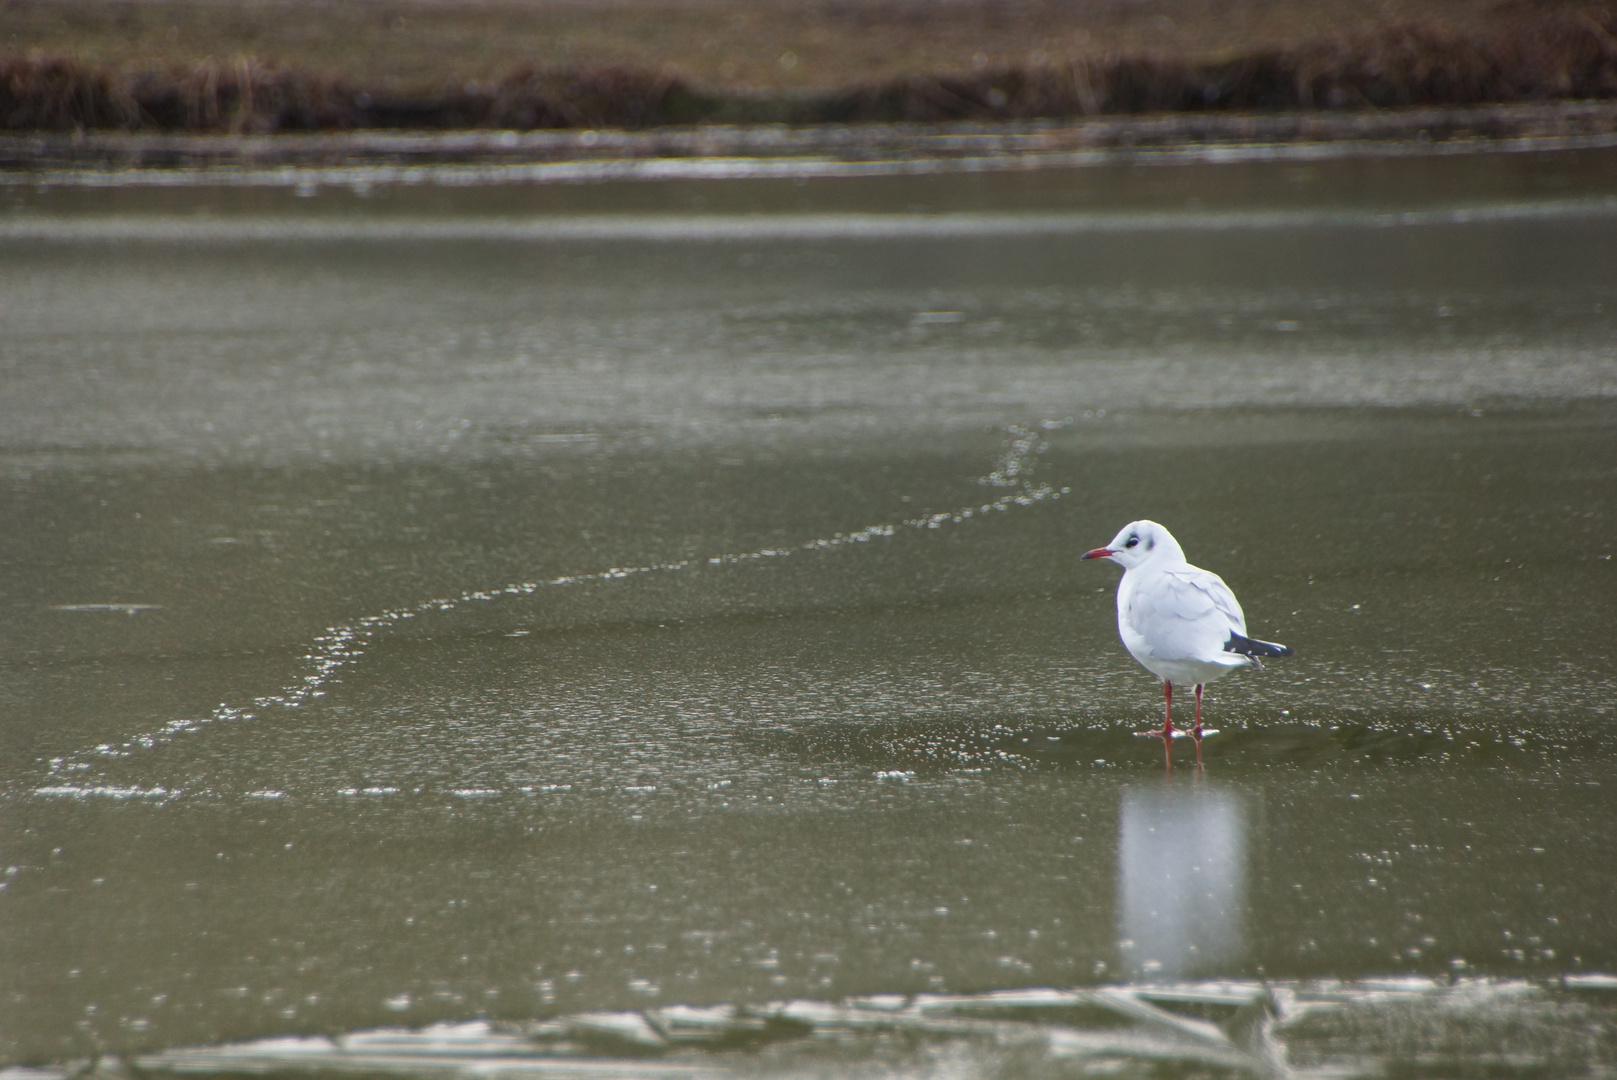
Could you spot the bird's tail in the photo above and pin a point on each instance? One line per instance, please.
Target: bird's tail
(1253, 647)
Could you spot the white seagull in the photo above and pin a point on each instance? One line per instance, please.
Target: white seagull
(1179, 621)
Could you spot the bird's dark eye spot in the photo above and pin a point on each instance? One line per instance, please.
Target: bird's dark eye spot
(1134, 541)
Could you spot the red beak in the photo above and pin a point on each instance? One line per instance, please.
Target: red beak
(1099, 553)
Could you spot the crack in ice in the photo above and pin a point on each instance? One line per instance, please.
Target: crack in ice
(344, 644)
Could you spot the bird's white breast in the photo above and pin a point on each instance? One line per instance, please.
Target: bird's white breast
(1176, 624)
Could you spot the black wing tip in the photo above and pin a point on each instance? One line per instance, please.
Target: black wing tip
(1253, 647)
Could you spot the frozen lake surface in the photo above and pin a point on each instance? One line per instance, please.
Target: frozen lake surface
(639, 628)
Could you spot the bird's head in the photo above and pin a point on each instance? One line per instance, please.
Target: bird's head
(1137, 542)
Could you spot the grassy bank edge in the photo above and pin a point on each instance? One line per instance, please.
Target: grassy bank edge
(1534, 55)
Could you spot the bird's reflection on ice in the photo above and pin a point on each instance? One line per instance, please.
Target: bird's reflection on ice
(1181, 880)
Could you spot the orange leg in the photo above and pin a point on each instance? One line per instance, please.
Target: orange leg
(1167, 732)
(1196, 732)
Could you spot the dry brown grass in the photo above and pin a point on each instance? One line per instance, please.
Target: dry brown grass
(1527, 52)
(422, 47)
(1525, 57)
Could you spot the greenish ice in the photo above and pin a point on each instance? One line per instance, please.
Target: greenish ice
(637, 628)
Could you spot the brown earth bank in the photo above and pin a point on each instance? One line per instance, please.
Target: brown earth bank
(118, 65)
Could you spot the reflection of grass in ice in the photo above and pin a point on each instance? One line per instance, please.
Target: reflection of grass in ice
(345, 643)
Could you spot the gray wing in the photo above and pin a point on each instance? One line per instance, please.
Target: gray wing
(1217, 593)
(1185, 614)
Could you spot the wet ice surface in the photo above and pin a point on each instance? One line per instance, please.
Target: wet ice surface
(553, 636)
(1326, 1028)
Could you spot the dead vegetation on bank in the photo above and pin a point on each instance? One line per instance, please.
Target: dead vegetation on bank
(1533, 56)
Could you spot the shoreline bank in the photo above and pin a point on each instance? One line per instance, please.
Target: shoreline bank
(1521, 56)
